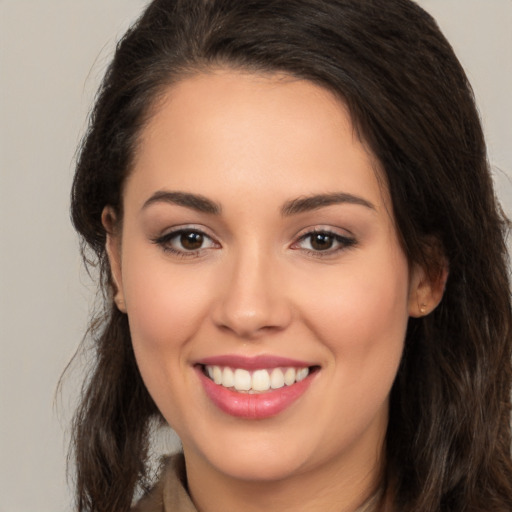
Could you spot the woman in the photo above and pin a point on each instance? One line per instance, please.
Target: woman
(304, 262)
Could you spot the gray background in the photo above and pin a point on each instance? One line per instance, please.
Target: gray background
(52, 55)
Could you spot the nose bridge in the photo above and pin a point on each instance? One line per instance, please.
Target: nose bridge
(252, 300)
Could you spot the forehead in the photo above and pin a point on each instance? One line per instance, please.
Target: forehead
(227, 131)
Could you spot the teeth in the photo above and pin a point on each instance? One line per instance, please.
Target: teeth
(257, 381)
(276, 378)
(260, 380)
(289, 376)
(228, 377)
(302, 374)
(217, 375)
(242, 380)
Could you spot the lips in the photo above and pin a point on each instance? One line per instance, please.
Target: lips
(254, 388)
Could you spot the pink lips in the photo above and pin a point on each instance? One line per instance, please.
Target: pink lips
(258, 405)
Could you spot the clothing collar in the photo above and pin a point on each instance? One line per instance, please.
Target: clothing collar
(170, 494)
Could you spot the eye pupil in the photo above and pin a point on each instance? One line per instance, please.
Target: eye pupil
(321, 241)
(191, 241)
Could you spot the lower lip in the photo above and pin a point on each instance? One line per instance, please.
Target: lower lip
(253, 406)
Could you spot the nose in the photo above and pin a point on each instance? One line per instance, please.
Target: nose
(252, 299)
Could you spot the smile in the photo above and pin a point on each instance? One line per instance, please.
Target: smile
(254, 388)
(258, 381)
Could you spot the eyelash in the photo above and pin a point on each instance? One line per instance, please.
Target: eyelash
(165, 242)
(343, 242)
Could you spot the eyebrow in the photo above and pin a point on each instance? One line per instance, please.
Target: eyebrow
(304, 204)
(186, 199)
(293, 207)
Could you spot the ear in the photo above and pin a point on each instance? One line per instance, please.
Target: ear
(113, 248)
(426, 289)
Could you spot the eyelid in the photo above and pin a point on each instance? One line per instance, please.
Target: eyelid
(325, 228)
(164, 240)
(344, 241)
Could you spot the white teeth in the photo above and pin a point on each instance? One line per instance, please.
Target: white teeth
(217, 375)
(257, 381)
(242, 380)
(260, 380)
(302, 374)
(276, 378)
(228, 377)
(289, 376)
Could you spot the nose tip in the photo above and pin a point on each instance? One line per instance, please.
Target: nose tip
(252, 303)
(248, 324)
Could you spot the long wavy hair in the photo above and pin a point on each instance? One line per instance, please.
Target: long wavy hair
(448, 440)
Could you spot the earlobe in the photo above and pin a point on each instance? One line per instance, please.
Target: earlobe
(426, 290)
(113, 249)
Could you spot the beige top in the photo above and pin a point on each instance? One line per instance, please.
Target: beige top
(170, 494)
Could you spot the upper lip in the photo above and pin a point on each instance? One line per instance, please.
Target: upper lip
(252, 363)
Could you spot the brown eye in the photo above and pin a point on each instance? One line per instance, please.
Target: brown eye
(186, 242)
(321, 241)
(324, 243)
(191, 240)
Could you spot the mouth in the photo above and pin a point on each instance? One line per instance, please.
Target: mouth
(256, 381)
(254, 388)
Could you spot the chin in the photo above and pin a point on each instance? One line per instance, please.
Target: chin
(257, 467)
(263, 456)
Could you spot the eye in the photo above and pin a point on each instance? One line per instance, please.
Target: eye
(191, 241)
(185, 242)
(323, 241)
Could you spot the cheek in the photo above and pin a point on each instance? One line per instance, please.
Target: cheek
(363, 318)
(165, 309)
(164, 306)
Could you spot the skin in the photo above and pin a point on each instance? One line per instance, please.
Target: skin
(252, 144)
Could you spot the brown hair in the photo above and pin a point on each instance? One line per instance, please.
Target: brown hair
(448, 440)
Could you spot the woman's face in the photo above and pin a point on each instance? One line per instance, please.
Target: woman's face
(258, 251)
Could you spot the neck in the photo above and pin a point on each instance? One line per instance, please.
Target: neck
(322, 489)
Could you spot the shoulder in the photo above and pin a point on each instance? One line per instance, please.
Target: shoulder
(170, 492)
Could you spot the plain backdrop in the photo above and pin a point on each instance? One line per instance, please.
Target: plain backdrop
(52, 56)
